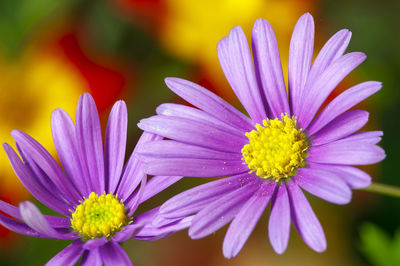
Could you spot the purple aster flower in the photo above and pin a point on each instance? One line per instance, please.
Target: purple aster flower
(284, 147)
(95, 194)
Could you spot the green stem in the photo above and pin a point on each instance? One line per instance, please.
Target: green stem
(384, 189)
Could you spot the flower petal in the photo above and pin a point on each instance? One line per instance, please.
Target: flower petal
(94, 243)
(221, 211)
(67, 256)
(92, 258)
(324, 184)
(300, 56)
(371, 137)
(90, 144)
(194, 199)
(353, 176)
(245, 221)
(157, 184)
(115, 142)
(209, 102)
(342, 126)
(343, 102)
(34, 185)
(193, 132)
(64, 137)
(129, 231)
(178, 110)
(279, 220)
(304, 219)
(151, 232)
(19, 227)
(324, 85)
(237, 64)
(113, 254)
(269, 68)
(346, 152)
(194, 167)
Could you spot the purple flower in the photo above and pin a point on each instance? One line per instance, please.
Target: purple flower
(96, 195)
(283, 148)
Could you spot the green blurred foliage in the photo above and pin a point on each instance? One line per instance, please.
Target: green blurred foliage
(378, 246)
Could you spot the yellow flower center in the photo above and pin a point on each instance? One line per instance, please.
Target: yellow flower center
(99, 216)
(276, 149)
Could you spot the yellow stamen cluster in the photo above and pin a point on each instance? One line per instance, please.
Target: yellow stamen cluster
(276, 149)
(99, 216)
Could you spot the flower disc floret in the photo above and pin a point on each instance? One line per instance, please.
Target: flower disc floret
(99, 216)
(276, 149)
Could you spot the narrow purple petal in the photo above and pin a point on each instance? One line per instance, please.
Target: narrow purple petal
(68, 256)
(133, 172)
(94, 243)
(304, 219)
(343, 102)
(342, 126)
(152, 232)
(209, 102)
(128, 232)
(371, 137)
(279, 220)
(193, 132)
(47, 164)
(92, 258)
(64, 137)
(115, 142)
(134, 201)
(346, 152)
(178, 110)
(157, 184)
(174, 149)
(34, 186)
(324, 184)
(194, 199)
(19, 227)
(324, 85)
(269, 68)
(194, 167)
(35, 220)
(332, 50)
(236, 62)
(353, 176)
(245, 221)
(90, 144)
(113, 254)
(300, 56)
(220, 212)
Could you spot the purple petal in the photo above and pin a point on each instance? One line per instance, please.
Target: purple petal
(342, 103)
(324, 184)
(128, 232)
(92, 258)
(157, 184)
(31, 215)
(324, 85)
(193, 200)
(34, 186)
(332, 50)
(113, 254)
(221, 211)
(133, 172)
(133, 202)
(115, 143)
(90, 144)
(346, 152)
(300, 56)
(304, 219)
(94, 243)
(342, 126)
(193, 132)
(353, 176)
(47, 164)
(174, 149)
(371, 137)
(64, 137)
(151, 232)
(178, 110)
(236, 62)
(19, 227)
(194, 167)
(68, 256)
(245, 221)
(269, 68)
(209, 102)
(279, 220)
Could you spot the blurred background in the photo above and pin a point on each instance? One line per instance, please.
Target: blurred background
(53, 51)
